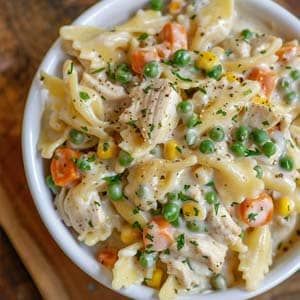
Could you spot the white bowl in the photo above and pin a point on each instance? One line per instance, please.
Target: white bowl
(108, 13)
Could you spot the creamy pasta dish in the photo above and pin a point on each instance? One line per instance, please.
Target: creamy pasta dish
(173, 142)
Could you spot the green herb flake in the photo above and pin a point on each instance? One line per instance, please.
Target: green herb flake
(143, 36)
(98, 70)
(70, 71)
(180, 240)
(247, 92)
(252, 216)
(181, 77)
(221, 112)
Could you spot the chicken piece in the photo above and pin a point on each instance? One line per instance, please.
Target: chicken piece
(199, 257)
(115, 97)
(261, 114)
(185, 271)
(225, 230)
(86, 213)
(149, 181)
(154, 111)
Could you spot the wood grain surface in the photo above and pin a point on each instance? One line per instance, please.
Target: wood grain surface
(27, 29)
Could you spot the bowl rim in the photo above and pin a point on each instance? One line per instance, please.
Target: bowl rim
(63, 239)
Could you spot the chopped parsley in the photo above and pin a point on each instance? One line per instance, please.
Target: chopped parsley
(252, 216)
(183, 197)
(83, 164)
(228, 52)
(221, 112)
(266, 123)
(84, 128)
(216, 207)
(90, 223)
(180, 240)
(202, 90)
(143, 36)
(181, 77)
(132, 123)
(136, 210)
(98, 70)
(247, 92)
(194, 243)
(113, 179)
(137, 225)
(70, 71)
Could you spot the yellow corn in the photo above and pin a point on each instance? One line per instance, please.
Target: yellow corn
(231, 77)
(284, 206)
(156, 280)
(207, 60)
(261, 101)
(129, 235)
(171, 150)
(175, 6)
(192, 210)
(298, 182)
(107, 150)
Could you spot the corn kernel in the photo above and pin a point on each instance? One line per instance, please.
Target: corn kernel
(175, 6)
(207, 60)
(107, 150)
(284, 206)
(130, 235)
(156, 280)
(192, 210)
(231, 77)
(171, 150)
(259, 100)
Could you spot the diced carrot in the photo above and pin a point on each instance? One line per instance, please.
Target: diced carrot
(108, 257)
(258, 211)
(287, 51)
(158, 234)
(141, 57)
(266, 78)
(63, 168)
(175, 35)
(164, 50)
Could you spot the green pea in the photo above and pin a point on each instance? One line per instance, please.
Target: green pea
(285, 83)
(115, 192)
(194, 226)
(259, 171)
(218, 282)
(193, 121)
(176, 223)
(269, 149)
(247, 35)
(290, 97)
(171, 211)
(207, 147)
(286, 163)
(211, 197)
(238, 149)
(123, 74)
(51, 185)
(217, 134)
(76, 137)
(156, 4)
(259, 136)
(147, 260)
(215, 72)
(83, 164)
(295, 74)
(125, 159)
(181, 58)
(151, 69)
(185, 107)
(242, 134)
(190, 137)
(172, 197)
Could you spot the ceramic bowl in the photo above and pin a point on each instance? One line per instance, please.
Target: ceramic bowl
(105, 14)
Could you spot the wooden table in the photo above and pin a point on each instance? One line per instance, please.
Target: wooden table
(27, 29)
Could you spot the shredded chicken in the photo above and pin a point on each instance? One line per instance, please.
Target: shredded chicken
(225, 230)
(153, 109)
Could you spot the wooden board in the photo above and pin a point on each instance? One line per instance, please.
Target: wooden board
(27, 29)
